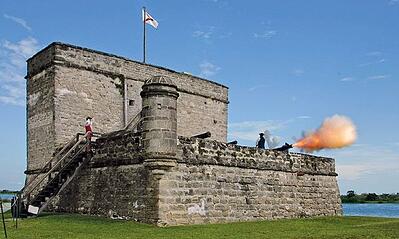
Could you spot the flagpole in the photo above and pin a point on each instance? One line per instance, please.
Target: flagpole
(144, 16)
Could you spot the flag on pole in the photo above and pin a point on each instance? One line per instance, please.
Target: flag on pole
(149, 20)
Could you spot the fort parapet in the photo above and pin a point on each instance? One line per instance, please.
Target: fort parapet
(156, 172)
(211, 182)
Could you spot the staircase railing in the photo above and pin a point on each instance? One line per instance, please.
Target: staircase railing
(132, 124)
(54, 167)
(73, 139)
(62, 167)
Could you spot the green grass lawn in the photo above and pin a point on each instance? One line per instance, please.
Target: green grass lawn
(75, 226)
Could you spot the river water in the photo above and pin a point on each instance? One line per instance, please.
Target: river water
(6, 196)
(6, 205)
(371, 209)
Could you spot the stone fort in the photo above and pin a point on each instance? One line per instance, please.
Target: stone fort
(146, 165)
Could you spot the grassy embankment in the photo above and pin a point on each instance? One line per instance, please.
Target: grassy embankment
(74, 226)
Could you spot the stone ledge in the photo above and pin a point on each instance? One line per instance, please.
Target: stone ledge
(195, 151)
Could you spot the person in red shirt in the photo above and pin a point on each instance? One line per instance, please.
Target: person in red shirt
(89, 131)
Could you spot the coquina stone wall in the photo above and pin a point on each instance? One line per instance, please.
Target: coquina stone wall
(212, 182)
(40, 113)
(115, 183)
(68, 83)
(216, 182)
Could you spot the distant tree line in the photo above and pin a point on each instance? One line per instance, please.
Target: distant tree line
(352, 197)
(5, 191)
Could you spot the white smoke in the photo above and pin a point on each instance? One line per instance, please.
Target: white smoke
(272, 141)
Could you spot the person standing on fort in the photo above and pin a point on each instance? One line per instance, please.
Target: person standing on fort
(260, 142)
(89, 131)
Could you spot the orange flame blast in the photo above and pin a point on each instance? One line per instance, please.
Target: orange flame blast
(335, 132)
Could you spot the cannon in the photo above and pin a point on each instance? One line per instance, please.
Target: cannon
(285, 147)
(233, 142)
(203, 135)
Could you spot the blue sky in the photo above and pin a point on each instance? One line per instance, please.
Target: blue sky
(289, 65)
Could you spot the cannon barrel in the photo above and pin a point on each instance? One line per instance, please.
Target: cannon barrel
(203, 135)
(285, 147)
(233, 142)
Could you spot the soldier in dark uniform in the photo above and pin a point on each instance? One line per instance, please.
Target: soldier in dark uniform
(260, 143)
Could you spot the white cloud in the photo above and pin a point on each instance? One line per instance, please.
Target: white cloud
(374, 57)
(266, 35)
(20, 51)
(249, 130)
(225, 35)
(298, 72)
(393, 2)
(362, 161)
(347, 79)
(379, 77)
(304, 117)
(268, 31)
(202, 34)
(355, 172)
(26, 47)
(12, 69)
(257, 87)
(208, 69)
(208, 34)
(15, 94)
(374, 53)
(19, 21)
(358, 145)
(205, 34)
(219, 3)
(379, 61)
(8, 73)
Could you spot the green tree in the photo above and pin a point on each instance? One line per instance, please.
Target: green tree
(350, 193)
(371, 197)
